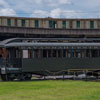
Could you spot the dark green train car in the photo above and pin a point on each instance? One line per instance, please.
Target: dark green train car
(20, 58)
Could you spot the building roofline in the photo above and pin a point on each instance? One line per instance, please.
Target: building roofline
(49, 18)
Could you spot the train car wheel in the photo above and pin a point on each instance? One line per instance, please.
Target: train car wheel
(24, 77)
(21, 77)
(11, 77)
(4, 77)
(28, 77)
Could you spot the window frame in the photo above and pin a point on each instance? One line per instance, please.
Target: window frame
(9, 22)
(91, 24)
(78, 23)
(36, 23)
(64, 24)
(23, 22)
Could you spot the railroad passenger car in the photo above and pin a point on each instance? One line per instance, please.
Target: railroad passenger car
(22, 57)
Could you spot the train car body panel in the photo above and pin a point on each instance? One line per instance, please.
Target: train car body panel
(59, 64)
(24, 57)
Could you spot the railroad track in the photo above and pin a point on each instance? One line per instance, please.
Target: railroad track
(59, 78)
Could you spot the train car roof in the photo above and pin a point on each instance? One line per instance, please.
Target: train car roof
(17, 42)
(2, 43)
(19, 39)
(52, 45)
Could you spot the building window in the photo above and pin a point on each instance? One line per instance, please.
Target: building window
(52, 24)
(15, 22)
(9, 22)
(36, 23)
(64, 24)
(71, 24)
(91, 24)
(78, 24)
(23, 23)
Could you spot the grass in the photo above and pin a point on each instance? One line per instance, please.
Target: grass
(50, 90)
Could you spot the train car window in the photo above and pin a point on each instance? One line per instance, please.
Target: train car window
(49, 53)
(12, 53)
(8, 55)
(0, 53)
(44, 53)
(83, 53)
(59, 53)
(37, 53)
(92, 51)
(72, 53)
(25, 53)
(98, 53)
(33, 54)
(95, 53)
(69, 53)
(78, 53)
(17, 53)
(30, 53)
(87, 53)
(64, 53)
(54, 53)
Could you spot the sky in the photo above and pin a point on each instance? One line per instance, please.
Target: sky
(51, 8)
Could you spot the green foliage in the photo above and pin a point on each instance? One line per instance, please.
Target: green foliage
(50, 90)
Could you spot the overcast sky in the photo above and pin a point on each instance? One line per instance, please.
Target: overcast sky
(51, 8)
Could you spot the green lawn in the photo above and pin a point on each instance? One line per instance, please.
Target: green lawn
(50, 90)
